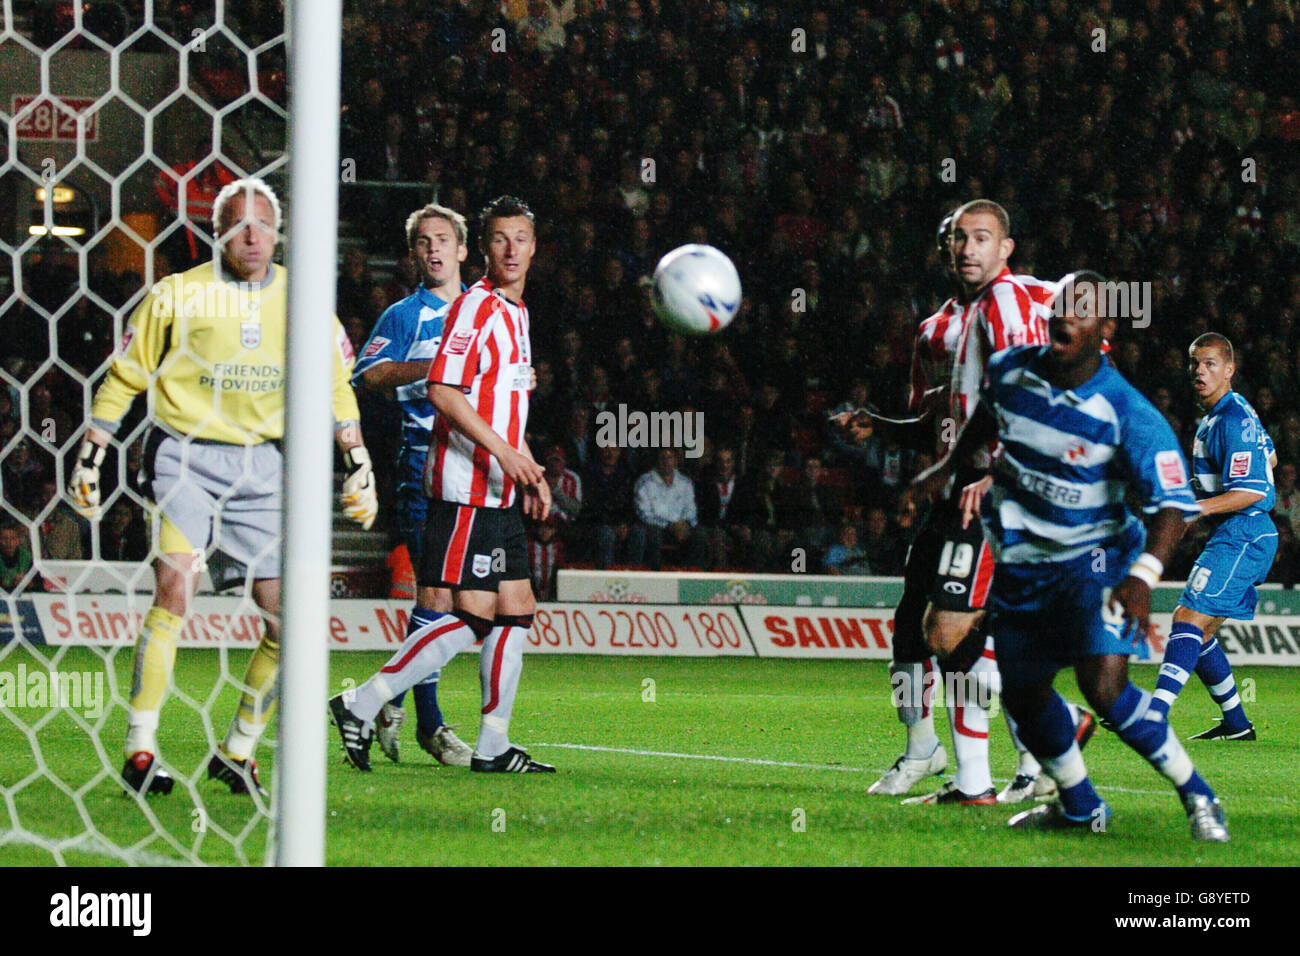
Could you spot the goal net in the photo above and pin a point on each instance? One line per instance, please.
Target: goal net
(123, 120)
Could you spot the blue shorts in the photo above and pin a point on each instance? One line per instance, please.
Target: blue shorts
(1237, 557)
(412, 505)
(1047, 616)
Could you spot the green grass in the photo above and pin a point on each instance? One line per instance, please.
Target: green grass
(828, 723)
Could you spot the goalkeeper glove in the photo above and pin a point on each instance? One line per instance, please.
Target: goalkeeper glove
(360, 503)
(83, 486)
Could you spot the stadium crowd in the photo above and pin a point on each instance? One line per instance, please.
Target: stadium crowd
(817, 144)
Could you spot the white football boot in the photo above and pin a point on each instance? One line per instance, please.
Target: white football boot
(907, 772)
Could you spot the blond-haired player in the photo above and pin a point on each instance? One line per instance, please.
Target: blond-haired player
(208, 347)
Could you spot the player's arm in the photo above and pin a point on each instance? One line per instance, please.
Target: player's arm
(1230, 501)
(1245, 476)
(386, 376)
(358, 496)
(382, 366)
(450, 401)
(537, 498)
(1149, 456)
(1133, 594)
(978, 432)
(144, 343)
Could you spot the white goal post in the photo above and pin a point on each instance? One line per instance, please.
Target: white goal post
(315, 40)
(98, 109)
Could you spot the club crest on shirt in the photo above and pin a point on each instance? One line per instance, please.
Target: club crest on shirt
(482, 565)
(1169, 467)
(1239, 467)
(250, 334)
(458, 344)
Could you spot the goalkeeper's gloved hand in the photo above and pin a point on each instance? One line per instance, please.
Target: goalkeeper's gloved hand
(83, 486)
(360, 503)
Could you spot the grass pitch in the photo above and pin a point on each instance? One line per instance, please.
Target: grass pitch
(664, 761)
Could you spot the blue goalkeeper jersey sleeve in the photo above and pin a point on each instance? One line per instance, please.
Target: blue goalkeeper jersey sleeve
(408, 331)
(1068, 459)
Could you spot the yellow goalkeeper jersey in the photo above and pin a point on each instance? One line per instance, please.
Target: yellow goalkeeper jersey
(213, 350)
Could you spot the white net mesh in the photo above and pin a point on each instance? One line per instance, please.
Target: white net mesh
(122, 120)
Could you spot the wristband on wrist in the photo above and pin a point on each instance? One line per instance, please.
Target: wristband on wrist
(1147, 568)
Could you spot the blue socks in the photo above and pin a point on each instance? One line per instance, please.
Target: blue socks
(1181, 654)
(1049, 735)
(1147, 732)
(428, 716)
(1185, 654)
(1213, 668)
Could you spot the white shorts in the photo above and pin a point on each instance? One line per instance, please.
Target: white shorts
(223, 500)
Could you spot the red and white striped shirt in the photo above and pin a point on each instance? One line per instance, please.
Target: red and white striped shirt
(486, 353)
(933, 354)
(544, 559)
(570, 487)
(1011, 310)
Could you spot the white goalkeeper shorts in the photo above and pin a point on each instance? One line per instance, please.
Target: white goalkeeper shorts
(221, 501)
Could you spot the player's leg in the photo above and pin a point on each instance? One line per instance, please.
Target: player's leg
(1215, 672)
(233, 763)
(1104, 681)
(1035, 624)
(1047, 728)
(175, 578)
(245, 484)
(970, 677)
(913, 676)
(450, 541)
(182, 530)
(1190, 633)
(502, 659)
(1030, 779)
(434, 735)
(955, 627)
(1223, 584)
(430, 731)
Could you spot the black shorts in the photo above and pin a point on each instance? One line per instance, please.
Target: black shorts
(948, 566)
(472, 549)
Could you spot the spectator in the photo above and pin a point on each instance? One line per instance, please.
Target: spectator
(566, 491)
(760, 503)
(123, 534)
(608, 513)
(845, 556)
(545, 556)
(63, 532)
(805, 514)
(666, 514)
(718, 520)
(1287, 508)
(15, 556)
(883, 544)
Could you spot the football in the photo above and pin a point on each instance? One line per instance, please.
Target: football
(696, 290)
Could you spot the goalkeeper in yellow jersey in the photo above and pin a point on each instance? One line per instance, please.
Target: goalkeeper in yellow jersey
(208, 346)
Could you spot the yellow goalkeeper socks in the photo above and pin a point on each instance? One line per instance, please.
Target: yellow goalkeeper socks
(257, 703)
(155, 653)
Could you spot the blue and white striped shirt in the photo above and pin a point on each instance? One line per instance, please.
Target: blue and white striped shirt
(1069, 457)
(408, 331)
(1231, 453)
